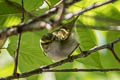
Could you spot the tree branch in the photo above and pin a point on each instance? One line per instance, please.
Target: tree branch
(69, 59)
(38, 23)
(18, 44)
(93, 6)
(80, 70)
(111, 47)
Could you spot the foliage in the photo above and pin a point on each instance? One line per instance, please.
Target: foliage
(31, 55)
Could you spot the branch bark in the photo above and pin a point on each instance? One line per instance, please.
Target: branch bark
(93, 6)
(80, 70)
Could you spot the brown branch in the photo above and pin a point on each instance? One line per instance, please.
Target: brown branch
(66, 70)
(35, 24)
(115, 55)
(49, 12)
(80, 70)
(69, 59)
(16, 55)
(111, 48)
(93, 6)
(18, 44)
(38, 23)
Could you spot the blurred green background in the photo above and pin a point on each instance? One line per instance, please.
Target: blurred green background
(31, 55)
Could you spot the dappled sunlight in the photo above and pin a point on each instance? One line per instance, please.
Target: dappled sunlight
(12, 21)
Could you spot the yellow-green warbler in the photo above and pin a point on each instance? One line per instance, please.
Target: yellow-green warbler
(61, 43)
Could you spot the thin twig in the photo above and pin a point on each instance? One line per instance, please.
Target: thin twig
(115, 55)
(93, 6)
(81, 70)
(16, 55)
(18, 44)
(111, 47)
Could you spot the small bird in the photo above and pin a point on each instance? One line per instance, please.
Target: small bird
(60, 43)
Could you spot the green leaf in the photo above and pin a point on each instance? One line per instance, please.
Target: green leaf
(99, 18)
(9, 15)
(87, 41)
(87, 38)
(30, 5)
(65, 76)
(7, 70)
(30, 55)
(90, 75)
(107, 59)
(116, 4)
(6, 8)
(52, 2)
(6, 64)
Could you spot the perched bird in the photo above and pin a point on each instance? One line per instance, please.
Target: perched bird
(60, 43)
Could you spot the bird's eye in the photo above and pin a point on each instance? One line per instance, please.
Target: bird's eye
(47, 38)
